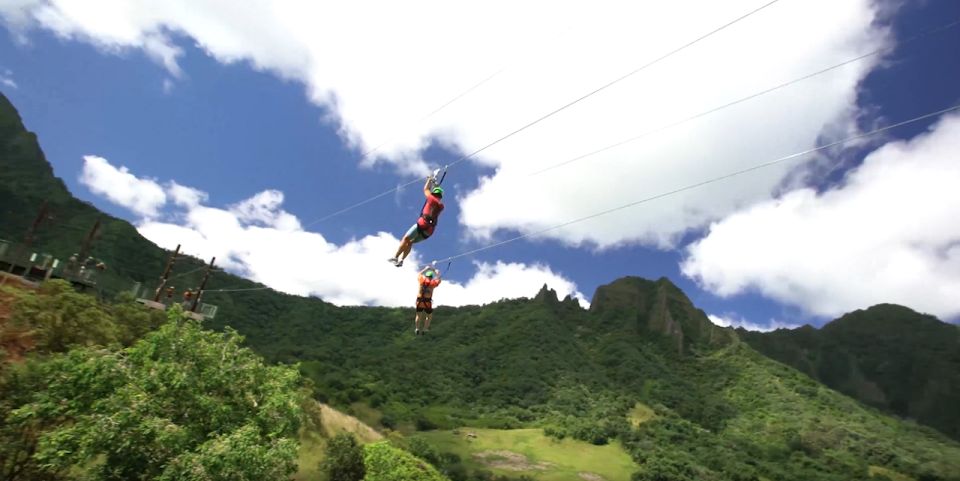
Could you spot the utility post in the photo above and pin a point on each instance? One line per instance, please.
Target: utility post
(41, 216)
(88, 240)
(28, 238)
(166, 273)
(206, 275)
(79, 259)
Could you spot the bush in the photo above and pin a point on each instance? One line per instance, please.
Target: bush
(555, 432)
(387, 463)
(424, 424)
(128, 410)
(344, 459)
(388, 421)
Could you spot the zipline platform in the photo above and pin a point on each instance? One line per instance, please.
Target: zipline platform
(16, 260)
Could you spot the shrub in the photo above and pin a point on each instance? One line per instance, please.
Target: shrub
(344, 459)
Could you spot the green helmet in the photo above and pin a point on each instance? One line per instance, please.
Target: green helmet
(428, 274)
(438, 191)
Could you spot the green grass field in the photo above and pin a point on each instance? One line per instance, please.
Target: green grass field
(566, 460)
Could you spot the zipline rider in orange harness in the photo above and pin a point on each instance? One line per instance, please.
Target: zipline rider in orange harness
(425, 225)
(428, 278)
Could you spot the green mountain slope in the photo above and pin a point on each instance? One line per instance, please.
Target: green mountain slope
(27, 181)
(887, 356)
(720, 410)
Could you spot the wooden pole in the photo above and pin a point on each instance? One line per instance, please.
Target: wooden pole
(87, 241)
(28, 239)
(206, 275)
(73, 268)
(166, 273)
(41, 216)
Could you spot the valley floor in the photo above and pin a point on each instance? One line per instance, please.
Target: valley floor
(516, 452)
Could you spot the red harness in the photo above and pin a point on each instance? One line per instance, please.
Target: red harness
(429, 216)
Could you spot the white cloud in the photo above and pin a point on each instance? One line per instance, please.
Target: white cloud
(260, 240)
(141, 196)
(355, 273)
(733, 320)
(185, 196)
(264, 209)
(381, 65)
(493, 282)
(18, 16)
(889, 234)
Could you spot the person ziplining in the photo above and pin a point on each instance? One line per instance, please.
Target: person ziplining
(428, 279)
(426, 223)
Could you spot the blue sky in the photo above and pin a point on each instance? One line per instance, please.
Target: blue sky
(232, 121)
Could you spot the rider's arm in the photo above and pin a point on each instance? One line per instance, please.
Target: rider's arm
(426, 187)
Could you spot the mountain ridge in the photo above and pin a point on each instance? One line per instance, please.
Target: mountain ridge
(887, 356)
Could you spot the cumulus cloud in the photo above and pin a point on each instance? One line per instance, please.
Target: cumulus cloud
(417, 57)
(264, 209)
(733, 320)
(888, 234)
(501, 280)
(260, 240)
(185, 196)
(143, 197)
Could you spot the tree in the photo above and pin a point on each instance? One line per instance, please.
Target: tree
(344, 460)
(19, 440)
(60, 318)
(181, 404)
(386, 463)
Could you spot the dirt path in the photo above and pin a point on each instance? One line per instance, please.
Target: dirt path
(590, 476)
(509, 461)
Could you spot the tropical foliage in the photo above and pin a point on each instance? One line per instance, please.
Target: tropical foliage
(344, 459)
(180, 403)
(386, 463)
(886, 356)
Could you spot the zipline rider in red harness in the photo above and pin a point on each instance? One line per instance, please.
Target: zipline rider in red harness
(425, 225)
(428, 279)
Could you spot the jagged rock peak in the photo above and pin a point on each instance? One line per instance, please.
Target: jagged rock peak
(660, 307)
(630, 292)
(547, 294)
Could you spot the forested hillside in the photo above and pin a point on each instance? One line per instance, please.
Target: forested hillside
(887, 356)
(712, 407)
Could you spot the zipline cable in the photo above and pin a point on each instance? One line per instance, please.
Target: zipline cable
(186, 273)
(671, 192)
(555, 111)
(706, 182)
(366, 154)
(236, 290)
(878, 51)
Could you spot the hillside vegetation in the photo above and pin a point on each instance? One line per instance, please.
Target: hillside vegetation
(717, 409)
(887, 356)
